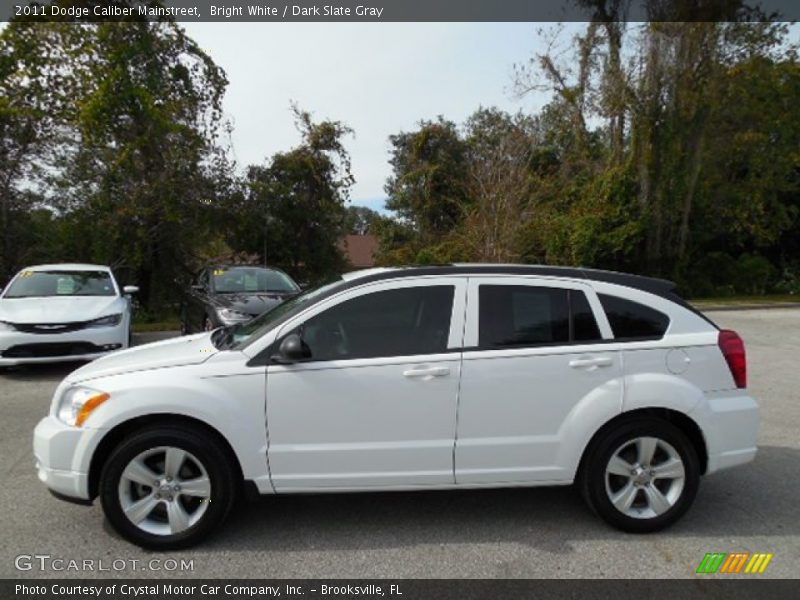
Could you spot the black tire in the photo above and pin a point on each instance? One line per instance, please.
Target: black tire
(214, 457)
(592, 479)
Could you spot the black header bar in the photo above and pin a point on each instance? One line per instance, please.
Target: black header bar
(376, 11)
(742, 588)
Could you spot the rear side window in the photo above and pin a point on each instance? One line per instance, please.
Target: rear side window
(513, 315)
(519, 316)
(633, 321)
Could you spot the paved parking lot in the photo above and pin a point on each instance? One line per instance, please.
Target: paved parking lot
(494, 533)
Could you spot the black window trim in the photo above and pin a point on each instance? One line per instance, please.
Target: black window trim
(264, 357)
(640, 338)
(571, 328)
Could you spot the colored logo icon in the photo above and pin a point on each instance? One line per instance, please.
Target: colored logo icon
(734, 562)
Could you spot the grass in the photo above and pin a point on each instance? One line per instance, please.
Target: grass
(734, 300)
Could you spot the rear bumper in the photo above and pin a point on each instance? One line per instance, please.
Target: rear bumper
(729, 421)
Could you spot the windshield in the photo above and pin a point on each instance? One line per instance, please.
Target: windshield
(230, 280)
(241, 335)
(30, 284)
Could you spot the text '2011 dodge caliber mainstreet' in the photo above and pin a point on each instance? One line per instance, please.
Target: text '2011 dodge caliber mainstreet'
(459, 376)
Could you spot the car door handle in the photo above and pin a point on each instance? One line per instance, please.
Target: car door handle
(427, 373)
(591, 363)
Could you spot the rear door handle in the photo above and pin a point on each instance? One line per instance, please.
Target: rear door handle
(427, 373)
(591, 363)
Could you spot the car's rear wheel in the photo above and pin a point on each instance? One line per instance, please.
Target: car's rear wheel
(641, 476)
(167, 487)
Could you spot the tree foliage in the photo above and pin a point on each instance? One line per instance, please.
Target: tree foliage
(664, 144)
(293, 209)
(114, 128)
(667, 148)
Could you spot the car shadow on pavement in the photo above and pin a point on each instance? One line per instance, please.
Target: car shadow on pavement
(759, 499)
(40, 372)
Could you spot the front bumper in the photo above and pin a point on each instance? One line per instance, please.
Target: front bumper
(19, 348)
(63, 456)
(729, 422)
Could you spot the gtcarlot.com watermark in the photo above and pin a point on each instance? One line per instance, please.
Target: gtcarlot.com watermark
(49, 563)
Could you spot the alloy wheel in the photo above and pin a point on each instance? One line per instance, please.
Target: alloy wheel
(645, 477)
(164, 490)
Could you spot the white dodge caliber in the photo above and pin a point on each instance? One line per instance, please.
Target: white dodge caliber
(459, 376)
(68, 312)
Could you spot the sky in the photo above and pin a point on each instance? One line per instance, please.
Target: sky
(378, 78)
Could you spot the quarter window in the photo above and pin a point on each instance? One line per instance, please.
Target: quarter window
(402, 322)
(631, 320)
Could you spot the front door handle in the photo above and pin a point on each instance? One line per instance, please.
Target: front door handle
(427, 373)
(591, 363)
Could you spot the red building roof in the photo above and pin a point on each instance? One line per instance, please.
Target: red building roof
(360, 250)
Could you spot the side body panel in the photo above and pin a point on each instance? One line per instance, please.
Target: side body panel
(525, 413)
(365, 423)
(220, 392)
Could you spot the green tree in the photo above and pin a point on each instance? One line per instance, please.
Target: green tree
(427, 188)
(359, 220)
(124, 147)
(141, 182)
(35, 96)
(294, 208)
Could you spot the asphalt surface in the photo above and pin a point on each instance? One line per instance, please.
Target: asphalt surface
(493, 533)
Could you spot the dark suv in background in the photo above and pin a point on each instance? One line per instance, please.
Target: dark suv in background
(230, 294)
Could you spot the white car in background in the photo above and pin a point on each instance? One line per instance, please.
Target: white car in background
(55, 313)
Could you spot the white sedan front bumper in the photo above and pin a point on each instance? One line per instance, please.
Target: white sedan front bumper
(18, 347)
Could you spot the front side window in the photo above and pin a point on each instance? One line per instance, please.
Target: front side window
(523, 316)
(633, 321)
(247, 333)
(401, 322)
(42, 284)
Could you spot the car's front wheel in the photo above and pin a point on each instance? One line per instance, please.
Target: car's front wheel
(167, 487)
(641, 476)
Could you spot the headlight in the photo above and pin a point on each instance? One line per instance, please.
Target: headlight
(77, 403)
(109, 321)
(229, 315)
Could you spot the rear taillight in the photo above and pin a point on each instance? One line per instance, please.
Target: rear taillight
(732, 348)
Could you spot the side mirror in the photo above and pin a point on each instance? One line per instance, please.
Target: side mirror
(291, 350)
(130, 289)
